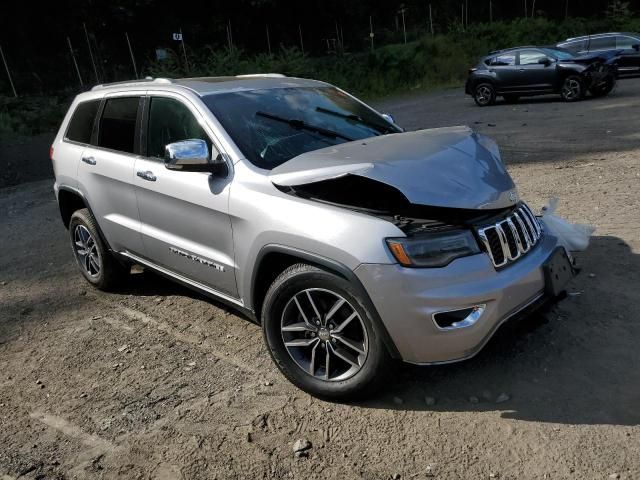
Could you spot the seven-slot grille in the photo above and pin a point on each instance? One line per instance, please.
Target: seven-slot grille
(511, 237)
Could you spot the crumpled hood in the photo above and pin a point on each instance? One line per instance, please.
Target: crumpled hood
(444, 167)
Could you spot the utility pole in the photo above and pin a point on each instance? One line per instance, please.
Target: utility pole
(490, 12)
(6, 67)
(133, 60)
(404, 26)
(431, 20)
(533, 8)
(268, 39)
(371, 31)
(75, 63)
(95, 69)
(184, 51)
(466, 12)
(301, 41)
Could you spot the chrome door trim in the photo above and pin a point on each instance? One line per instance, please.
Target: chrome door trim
(183, 279)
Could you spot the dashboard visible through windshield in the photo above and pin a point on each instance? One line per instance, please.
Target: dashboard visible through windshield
(272, 126)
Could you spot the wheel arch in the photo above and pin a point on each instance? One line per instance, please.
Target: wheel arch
(71, 200)
(272, 260)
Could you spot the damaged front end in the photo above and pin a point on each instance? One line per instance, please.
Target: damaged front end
(437, 186)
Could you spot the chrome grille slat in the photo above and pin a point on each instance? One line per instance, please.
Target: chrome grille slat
(512, 236)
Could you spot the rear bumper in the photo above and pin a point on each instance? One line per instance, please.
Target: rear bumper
(407, 299)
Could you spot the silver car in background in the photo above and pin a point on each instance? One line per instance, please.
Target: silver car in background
(350, 241)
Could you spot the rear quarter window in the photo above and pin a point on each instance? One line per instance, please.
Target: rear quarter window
(82, 120)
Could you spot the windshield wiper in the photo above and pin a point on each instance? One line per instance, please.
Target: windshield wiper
(301, 125)
(356, 118)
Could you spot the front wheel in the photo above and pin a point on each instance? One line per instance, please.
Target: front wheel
(320, 334)
(484, 94)
(572, 89)
(603, 88)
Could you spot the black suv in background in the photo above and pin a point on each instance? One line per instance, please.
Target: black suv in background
(626, 46)
(527, 71)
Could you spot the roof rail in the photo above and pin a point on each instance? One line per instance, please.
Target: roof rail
(258, 75)
(593, 35)
(127, 83)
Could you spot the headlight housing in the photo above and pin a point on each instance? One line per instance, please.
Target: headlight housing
(436, 249)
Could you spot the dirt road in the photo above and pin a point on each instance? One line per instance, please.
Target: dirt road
(156, 382)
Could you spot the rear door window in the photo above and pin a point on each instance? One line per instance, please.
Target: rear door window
(504, 60)
(118, 124)
(81, 123)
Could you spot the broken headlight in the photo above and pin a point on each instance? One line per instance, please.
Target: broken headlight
(435, 249)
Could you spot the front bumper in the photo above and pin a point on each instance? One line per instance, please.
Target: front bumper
(407, 298)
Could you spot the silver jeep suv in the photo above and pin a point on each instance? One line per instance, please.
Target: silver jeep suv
(351, 242)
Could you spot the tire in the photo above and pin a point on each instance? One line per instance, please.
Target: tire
(572, 89)
(484, 94)
(604, 88)
(96, 263)
(511, 98)
(358, 359)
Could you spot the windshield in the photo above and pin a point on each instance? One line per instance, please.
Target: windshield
(272, 126)
(559, 54)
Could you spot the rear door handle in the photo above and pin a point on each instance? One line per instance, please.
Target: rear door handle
(146, 175)
(522, 69)
(89, 160)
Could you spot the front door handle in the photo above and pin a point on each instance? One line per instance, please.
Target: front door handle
(89, 160)
(146, 175)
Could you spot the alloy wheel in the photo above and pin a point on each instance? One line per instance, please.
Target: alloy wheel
(571, 89)
(87, 251)
(483, 94)
(324, 334)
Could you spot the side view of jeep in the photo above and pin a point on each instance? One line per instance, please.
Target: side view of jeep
(351, 242)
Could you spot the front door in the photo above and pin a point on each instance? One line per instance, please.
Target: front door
(535, 76)
(184, 215)
(105, 172)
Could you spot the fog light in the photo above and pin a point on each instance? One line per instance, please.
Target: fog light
(454, 319)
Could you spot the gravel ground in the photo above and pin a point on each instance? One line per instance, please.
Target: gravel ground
(157, 382)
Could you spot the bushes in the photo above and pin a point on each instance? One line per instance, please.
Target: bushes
(427, 63)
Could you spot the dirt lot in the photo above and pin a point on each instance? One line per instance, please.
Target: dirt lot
(157, 382)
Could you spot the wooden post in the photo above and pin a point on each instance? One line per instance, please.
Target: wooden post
(371, 31)
(75, 63)
(133, 60)
(431, 19)
(95, 69)
(184, 51)
(301, 41)
(6, 67)
(268, 39)
(490, 12)
(404, 26)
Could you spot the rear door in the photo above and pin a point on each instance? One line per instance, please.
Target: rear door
(534, 76)
(629, 60)
(105, 172)
(184, 215)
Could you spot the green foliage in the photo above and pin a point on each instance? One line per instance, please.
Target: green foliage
(25, 116)
(424, 64)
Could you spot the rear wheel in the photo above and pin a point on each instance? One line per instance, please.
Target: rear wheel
(96, 264)
(320, 334)
(603, 88)
(484, 94)
(572, 89)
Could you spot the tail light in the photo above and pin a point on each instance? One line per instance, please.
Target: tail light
(472, 69)
(51, 152)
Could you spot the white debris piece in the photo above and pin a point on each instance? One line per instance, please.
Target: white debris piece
(573, 236)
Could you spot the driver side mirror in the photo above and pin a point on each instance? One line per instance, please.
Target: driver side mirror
(193, 156)
(546, 61)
